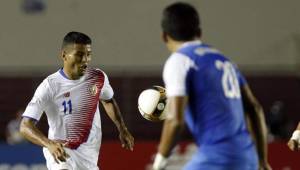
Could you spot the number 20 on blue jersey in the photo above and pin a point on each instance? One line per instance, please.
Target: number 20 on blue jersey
(229, 80)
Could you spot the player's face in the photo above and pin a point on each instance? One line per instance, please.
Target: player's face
(76, 58)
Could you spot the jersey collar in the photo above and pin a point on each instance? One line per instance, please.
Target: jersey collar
(62, 73)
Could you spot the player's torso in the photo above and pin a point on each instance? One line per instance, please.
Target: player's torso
(215, 105)
(74, 105)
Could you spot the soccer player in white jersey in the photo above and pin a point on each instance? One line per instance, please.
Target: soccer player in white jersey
(70, 99)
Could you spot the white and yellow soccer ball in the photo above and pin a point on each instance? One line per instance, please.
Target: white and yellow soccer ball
(152, 103)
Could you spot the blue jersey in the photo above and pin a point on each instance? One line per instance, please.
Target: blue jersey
(214, 113)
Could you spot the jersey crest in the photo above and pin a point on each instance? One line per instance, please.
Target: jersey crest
(93, 90)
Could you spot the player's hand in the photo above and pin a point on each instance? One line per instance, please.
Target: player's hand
(57, 151)
(126, 139)
(293, 145)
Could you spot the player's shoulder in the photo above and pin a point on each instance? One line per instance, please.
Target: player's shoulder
(207, 53)
(95, 70)
(47, 84)
(206, 50)
(198, 50)
(53, 81)
(179, 60)
(52, 78)
(177, 56)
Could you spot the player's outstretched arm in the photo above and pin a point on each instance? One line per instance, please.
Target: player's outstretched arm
(34, 135)
(112, 109)
(294, 142)
(254, 112)
(172, 129)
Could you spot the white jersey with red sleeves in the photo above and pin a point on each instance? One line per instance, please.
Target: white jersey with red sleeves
(72, 110)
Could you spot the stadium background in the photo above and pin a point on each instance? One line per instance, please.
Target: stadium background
(262, 37)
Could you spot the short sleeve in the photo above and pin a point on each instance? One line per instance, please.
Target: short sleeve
(39, 101)
(175, 73)
(106, 91)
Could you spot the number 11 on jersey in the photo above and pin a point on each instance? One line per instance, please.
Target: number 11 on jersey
(67, 107)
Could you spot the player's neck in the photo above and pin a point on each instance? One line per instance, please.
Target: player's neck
(175, 45)
(68, 74)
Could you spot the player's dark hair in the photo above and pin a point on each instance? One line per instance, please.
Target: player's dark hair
(181, 22)
(76, 38)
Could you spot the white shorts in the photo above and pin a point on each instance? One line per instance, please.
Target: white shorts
(76, 161)
(85, 157)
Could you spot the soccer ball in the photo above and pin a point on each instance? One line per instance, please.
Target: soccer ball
(152, 103)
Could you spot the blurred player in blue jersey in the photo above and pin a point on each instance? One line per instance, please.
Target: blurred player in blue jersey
(207, 92)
